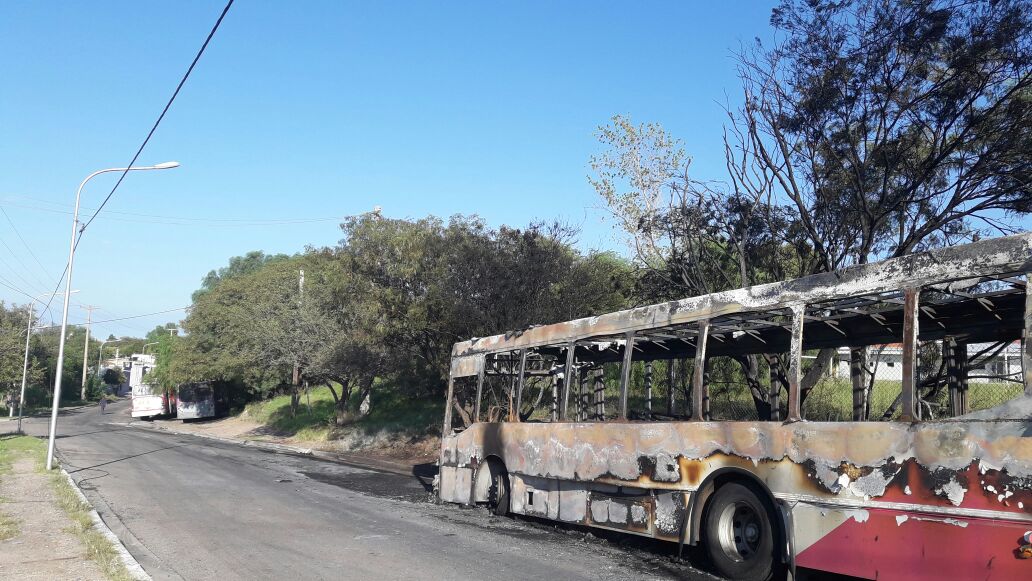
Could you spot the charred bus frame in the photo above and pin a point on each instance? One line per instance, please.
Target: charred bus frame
(958, 482)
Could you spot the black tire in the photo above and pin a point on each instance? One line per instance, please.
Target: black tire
(498, 494)
(740, 534)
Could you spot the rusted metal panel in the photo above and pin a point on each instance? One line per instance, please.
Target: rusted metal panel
(833, 475)
(630, 510)
(466, 366)
(795, 358)
(625, 373)
(907, 399)
(986, 257)
(699, 372)
(447, 408)
(480, 393)
(568, 381)
(514, 411)
(1026, 338)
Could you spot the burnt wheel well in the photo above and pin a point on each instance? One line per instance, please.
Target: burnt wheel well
(489, 467)
(726, 476)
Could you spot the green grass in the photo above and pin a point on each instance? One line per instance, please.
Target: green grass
(98, 548)
(390, 411)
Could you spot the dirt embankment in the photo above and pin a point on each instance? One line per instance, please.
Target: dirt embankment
(355, 442)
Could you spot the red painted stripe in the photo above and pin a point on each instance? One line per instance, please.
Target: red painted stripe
(920, 549)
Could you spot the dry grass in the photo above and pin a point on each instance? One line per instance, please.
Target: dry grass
(98, 548)
(9, 527)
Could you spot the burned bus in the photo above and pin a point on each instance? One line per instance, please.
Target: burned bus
(762, 426)
(199, 400)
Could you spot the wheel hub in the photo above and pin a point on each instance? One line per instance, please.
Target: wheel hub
(739, 532)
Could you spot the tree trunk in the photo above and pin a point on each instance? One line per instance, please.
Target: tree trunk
(751, 370)
(365, 396)
(340, 401)
(816, 373)
(778, 383)
(295, 399)
(858, 372)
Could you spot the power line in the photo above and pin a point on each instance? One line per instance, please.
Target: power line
(144, 144)
(160, 117)
(132, 316)
(32, 286)
(25, 244)
(15, 289)
(179, 220)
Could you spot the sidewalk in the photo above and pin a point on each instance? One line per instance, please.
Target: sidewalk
(39, 539)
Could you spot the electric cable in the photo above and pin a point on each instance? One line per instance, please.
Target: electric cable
(160, 117)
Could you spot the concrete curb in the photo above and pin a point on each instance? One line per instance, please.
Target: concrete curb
(136, 570)
(385, 466)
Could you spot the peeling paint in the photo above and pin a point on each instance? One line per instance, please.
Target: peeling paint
(953, 491)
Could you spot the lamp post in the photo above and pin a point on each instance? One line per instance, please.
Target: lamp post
(145, 345)
(100, 355)
(68, 290)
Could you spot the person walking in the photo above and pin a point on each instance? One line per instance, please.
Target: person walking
(103, 404)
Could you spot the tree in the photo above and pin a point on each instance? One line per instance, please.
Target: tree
(874, 129)
(888, 127)
(113, 376)
(238, 266)
(692, 238)
(12, 346)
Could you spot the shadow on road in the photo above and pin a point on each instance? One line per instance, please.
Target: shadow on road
(105, 431)
(124, 458)
(425, 474)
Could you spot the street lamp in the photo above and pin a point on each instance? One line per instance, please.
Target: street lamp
(100, 354)
(145, 345)
(25, 366)
(68, 290)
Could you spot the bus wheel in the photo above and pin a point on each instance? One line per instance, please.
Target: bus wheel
(739, 534)
(498, 494)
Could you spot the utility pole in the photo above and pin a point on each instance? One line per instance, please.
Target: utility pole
(86, 350)
(29, 311)
(301, 295)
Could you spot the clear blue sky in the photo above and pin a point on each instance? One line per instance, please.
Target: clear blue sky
(322, 110)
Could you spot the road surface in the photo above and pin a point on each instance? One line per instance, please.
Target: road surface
(193, 508)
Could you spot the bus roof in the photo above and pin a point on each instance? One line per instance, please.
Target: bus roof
(995, 256)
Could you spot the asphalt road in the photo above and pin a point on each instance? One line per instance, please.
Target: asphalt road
(192, 508)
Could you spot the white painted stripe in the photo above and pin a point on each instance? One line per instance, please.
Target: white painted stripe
(844, 503)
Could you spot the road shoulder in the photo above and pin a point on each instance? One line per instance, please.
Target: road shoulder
(51, 532)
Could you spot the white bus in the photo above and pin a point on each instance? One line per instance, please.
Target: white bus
(148, 400)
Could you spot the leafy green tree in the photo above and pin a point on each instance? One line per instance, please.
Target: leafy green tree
(238, 266)
(113, 376)
(387, 303)
(12, 347)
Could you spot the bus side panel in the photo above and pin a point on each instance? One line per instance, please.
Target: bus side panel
(148, 405)
(456, 484)
(887, 544)
(196, 410)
